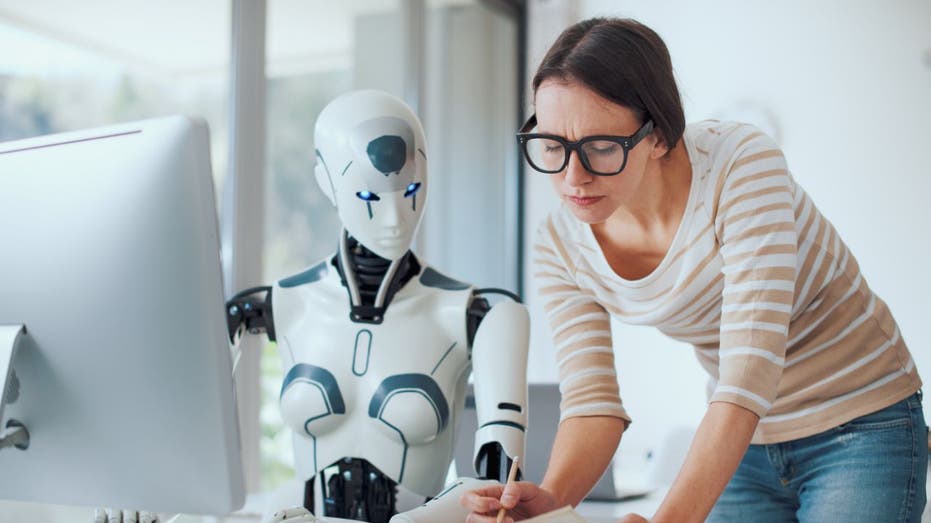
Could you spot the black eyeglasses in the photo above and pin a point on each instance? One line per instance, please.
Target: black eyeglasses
(600, 155)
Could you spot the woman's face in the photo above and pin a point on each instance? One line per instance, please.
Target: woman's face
(573, 111)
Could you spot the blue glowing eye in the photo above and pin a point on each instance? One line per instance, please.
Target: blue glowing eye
(368, 196)
(412, 189)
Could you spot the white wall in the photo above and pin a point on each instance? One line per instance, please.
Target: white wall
(846, 85)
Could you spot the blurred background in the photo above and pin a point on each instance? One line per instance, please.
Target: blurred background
(844, 86)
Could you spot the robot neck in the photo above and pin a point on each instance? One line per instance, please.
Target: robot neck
(369, 271)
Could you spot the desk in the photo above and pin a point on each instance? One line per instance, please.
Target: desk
(19, 512)
(594, 511)
(611, 511)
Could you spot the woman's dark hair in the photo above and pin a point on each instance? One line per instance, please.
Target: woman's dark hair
(623, 61)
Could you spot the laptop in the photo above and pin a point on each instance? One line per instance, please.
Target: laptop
(543, 421)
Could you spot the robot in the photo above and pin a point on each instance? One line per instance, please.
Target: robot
(377, 346)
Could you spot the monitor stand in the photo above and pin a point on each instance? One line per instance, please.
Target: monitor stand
(14, 434)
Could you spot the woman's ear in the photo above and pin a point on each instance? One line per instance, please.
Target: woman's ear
(659, 146)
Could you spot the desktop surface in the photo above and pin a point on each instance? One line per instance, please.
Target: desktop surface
(18, 512)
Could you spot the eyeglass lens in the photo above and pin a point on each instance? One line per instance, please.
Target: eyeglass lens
(601, 156)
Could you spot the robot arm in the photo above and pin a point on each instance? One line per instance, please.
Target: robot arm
(499, 365)
(250, 311)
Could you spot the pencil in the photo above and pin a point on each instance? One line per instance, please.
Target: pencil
(512, 474)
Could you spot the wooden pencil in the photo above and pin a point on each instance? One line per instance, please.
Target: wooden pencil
(512, 475)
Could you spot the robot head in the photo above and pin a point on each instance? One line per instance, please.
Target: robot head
(372, 165)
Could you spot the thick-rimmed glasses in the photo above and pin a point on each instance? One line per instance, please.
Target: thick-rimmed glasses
(601, 155)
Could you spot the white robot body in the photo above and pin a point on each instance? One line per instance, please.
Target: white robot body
(377, 347)
(499, 361)
(388, 393)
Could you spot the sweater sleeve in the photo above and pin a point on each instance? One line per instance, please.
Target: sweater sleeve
(755, 226)
(581, 331)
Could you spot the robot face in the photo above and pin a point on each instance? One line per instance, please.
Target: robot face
(372, 165)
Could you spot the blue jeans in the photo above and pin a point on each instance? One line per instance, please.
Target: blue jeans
(871, 469)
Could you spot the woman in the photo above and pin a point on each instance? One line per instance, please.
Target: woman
(700, 230)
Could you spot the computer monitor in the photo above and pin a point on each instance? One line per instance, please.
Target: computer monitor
(110, 257)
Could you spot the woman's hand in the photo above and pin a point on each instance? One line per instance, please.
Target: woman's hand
(522, 500)
(633, 518)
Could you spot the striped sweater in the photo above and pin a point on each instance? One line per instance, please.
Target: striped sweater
(756, 280)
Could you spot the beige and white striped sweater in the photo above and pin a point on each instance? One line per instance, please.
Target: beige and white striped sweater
(756, 279)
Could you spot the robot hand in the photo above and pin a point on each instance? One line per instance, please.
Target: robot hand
(302, 515)
(445, 506)
(250, 312)
(292, 515)
(110, 515)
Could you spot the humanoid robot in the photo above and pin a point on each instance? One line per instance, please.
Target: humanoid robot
(377, 347)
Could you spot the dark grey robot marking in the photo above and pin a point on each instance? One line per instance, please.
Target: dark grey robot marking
(388, 154)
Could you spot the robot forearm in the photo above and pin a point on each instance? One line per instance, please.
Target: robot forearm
(499, 362)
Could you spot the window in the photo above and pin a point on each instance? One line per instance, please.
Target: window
(90, 68)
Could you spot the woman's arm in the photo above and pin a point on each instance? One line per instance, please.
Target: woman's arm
(717, 449)
(592, 414)
(582, 450)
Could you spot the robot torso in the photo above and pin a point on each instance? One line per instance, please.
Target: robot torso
(389, 393)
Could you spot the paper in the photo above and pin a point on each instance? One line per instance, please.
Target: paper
(563, 515)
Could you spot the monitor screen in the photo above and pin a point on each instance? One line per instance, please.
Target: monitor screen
(109, 256)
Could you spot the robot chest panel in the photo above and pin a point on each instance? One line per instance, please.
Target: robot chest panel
(400, 375)
(358, 349)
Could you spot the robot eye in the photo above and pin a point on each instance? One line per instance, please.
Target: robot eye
(368, 196)
(412, 189)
